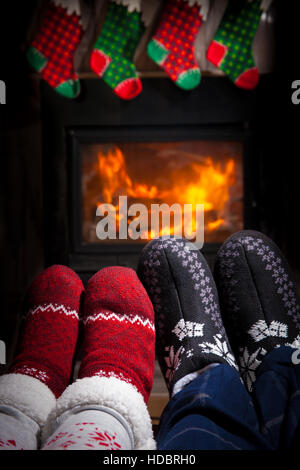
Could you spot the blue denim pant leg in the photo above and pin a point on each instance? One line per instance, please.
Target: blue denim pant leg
(214, 411)
(276, 397)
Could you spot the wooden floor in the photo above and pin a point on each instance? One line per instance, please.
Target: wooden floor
(159, 397)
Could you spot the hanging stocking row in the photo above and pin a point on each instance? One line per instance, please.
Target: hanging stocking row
(172, 47)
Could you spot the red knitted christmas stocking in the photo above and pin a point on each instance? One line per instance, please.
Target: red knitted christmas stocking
(119, 333)
(52, 51)
(48, 341)
(172, 47)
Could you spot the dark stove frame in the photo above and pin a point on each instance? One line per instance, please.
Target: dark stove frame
(76, 137)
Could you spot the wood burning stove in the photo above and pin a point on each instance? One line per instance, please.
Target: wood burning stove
(203, 154)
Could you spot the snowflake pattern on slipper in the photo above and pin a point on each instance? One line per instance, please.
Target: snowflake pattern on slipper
(258, 299)
(189, 331)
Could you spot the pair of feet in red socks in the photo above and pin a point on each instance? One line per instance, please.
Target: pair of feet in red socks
(118, 329)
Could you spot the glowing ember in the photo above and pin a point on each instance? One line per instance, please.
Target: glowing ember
(198, 182)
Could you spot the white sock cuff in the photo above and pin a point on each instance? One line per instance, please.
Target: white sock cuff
(28, 395)
(112, 393)
(203, 4)
(132, 5)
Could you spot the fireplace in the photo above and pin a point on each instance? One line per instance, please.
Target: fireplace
(150, 170)
(92, 159)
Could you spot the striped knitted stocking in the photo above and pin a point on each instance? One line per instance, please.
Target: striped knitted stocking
(48, 341)
(42, 367)
(116, 371)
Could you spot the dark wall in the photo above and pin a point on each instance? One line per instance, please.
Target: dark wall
(21, 235)
(278, 124)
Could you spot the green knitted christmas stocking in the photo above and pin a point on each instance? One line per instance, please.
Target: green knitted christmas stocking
(231, 48)
(112, 56)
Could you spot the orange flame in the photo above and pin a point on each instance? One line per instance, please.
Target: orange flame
(114, 176)
(199, 183)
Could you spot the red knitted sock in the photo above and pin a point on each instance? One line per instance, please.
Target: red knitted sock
(119, 338)
(48, 341)
(52, 50)
(173, 45)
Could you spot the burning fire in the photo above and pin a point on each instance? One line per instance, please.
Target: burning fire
(203, 182)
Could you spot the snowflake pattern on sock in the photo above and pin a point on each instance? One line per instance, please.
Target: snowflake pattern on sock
(248, 363)
(119, 334)
(9, 444)
(258, 300)
(49, 335)
(220, 348)
(85, 435)
(260, 330)
(181, 288)
(172, 361)
(33, 372)
(188, 328)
